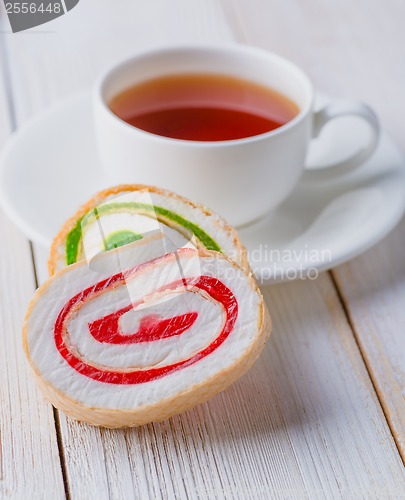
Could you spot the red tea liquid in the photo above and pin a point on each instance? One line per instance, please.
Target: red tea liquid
(203, 107)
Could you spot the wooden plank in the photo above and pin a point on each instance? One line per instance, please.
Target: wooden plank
(359, 42)
(373, 290)
(305, 422)
(29, 456)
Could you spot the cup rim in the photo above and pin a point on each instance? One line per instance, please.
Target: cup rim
(101, 82)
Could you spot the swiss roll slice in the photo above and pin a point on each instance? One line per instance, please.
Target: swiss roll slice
(143, 332)
(125, 213)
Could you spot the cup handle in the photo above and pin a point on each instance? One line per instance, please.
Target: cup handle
(338, 109)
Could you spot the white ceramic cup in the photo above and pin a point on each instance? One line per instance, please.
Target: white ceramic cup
(241, 179)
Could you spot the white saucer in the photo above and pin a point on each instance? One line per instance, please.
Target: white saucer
(50, 167)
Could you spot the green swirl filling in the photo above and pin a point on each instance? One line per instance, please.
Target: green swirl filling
(120, 238)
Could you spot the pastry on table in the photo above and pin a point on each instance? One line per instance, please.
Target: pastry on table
(138, 334)
(124, 213)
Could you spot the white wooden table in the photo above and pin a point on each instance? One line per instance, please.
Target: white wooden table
(321, 414)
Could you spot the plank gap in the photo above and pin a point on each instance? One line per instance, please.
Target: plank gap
(367, 364)
(4, 63)
(34, 268)
(61, 452)
(233, 18)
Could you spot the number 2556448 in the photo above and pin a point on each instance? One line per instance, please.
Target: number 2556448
(32, 8)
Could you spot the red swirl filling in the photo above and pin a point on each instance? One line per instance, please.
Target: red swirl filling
(106, 329)
(151, 328)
